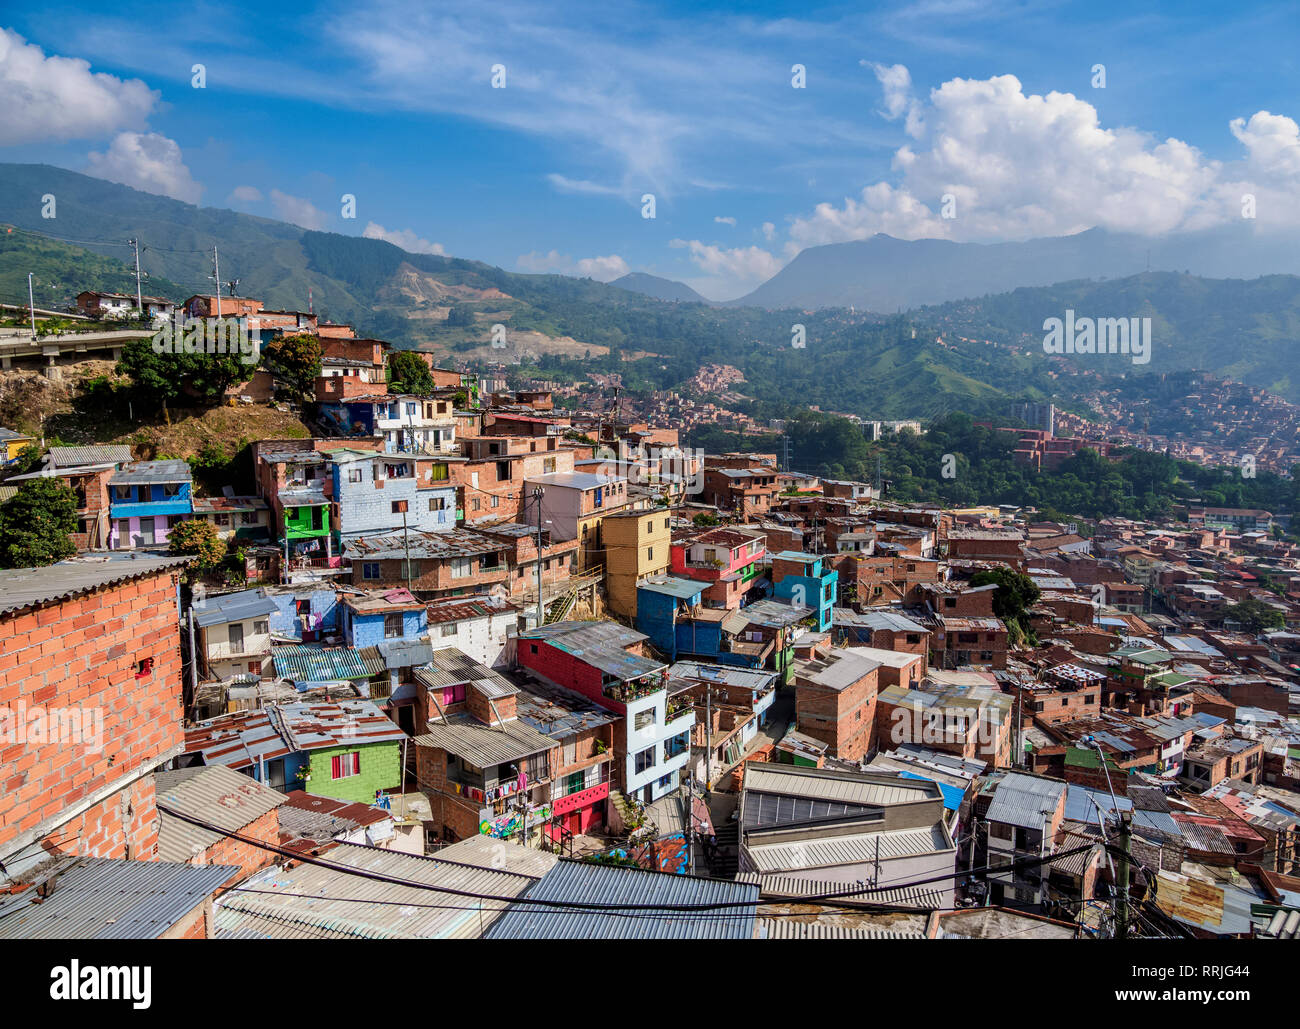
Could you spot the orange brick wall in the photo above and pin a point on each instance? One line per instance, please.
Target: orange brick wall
(81, 654)
(247, 856)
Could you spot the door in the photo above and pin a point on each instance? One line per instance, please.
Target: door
(236, 631)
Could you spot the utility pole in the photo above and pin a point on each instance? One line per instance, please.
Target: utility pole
(216, 279)
(31, 304)
(538, 493)
(139, 296)
(1121, 908)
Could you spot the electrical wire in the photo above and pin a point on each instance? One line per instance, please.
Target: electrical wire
(855, 892)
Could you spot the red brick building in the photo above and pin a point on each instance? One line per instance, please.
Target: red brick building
(835, 701)
(90, 704)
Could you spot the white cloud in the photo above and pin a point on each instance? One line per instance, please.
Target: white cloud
(244, 196)
(404, 238)
(602, 269)
(896, 81)
(146, 161)
(297, 211)
(728, 271)
(564, 184)
(1020, 166)
(769, 231)
(60, 98)
(724, 220)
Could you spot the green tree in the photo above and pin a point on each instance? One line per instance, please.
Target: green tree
(295, 361)
(408, 373)
(36, 523)
(1254, 615)
(163, 378)
(1014, 595)
(198, 537)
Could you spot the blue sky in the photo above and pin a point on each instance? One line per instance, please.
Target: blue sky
(992, 104)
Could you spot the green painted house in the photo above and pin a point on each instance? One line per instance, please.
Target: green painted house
(349, 749)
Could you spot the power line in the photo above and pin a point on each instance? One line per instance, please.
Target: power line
(854, 892)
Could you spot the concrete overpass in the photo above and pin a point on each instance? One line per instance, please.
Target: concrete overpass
(17, 345)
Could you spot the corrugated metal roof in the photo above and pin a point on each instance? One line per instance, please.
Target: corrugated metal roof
(787, 887)
(826, 851)
(482, 745)
(1024, 801)
(108, 899)
(75, 457)
(315, 902)
(233, 607)
(501, 855)
(305, 662)
(30, 587)
(599, 644)
(348, 723)
(794, 929)
(860, 788)
(612, 885)
(214, 794)
(145, 473)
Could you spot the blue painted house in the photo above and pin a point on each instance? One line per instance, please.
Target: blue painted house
(376, 494)
(370, 619)
(305, 613)
(670, 611)
(147, 498)
(804, 581)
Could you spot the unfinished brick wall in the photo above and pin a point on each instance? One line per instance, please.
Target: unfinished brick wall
(248, 856)
(843, 719)
(81, 656)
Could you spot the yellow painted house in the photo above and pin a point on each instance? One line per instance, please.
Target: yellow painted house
(13, 443)
(636, 545)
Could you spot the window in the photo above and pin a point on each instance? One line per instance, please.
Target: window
(649, 553)
(261, 627)
(344, 766)
(474, 504)
(496, 501)
(461, 567)
(399, 507)
(171, 490)
(248, 518)
(645, 760)
(222, 520)
(548, 465)
(302, 607)
(370, 570)
(644, 719)
(235, 633)
(392, 626)
(437, 503)
(354, 475)
(503, 471)
(447, 630)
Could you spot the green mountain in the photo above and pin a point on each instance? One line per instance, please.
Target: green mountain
(659, 288)
(1247, 330)
(909, 366)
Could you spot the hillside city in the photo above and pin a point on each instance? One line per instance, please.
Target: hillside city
(472, 631)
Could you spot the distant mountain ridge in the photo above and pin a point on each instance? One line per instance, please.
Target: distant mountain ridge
(885, 275)
(659, 288)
